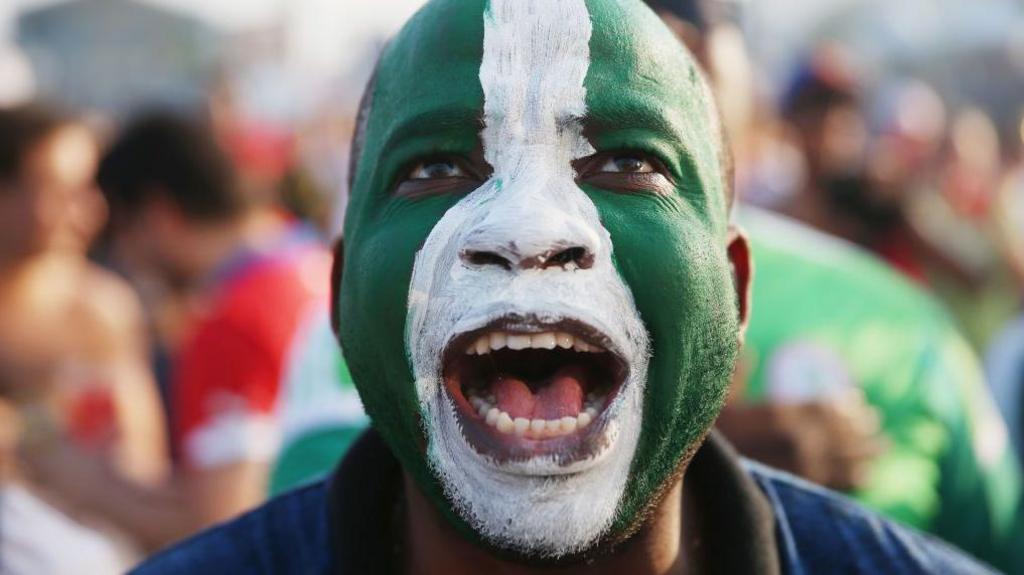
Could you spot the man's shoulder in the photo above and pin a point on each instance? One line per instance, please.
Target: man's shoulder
(820, 531)
(288, 534)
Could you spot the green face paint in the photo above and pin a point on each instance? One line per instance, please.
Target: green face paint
(536, 254)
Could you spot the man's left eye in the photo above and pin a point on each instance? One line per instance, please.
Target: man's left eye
(437, 170)
(626, 164)
(626, 171)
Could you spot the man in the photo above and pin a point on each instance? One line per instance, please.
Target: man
(73, 366)
(541, 301)
(179, 215)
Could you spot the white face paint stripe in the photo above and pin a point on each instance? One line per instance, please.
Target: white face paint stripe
(535, 61)
(536, 56)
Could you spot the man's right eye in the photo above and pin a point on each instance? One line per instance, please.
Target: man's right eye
(436, 170)
(438, 176)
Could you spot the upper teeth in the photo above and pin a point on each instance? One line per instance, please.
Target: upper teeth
(546, 340)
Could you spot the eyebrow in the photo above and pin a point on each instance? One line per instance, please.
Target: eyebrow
(433, 122)
(633, 117)
(632, 113)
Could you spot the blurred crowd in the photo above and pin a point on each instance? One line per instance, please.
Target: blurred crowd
(166, 360)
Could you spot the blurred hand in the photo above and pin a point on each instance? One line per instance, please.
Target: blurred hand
(67, 472)
(831, 442)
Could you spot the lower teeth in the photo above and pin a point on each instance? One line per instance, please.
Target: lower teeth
(534, 428)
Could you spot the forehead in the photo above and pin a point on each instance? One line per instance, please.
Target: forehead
(642, 88)
(635, 60)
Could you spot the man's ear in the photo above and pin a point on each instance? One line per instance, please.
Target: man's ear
(742, 272)
(336, 271)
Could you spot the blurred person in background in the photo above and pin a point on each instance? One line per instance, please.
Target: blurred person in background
(180, 214)
(1004, 358)
(891, 180)
(824, 105)
(965, 213)
(856, 378)
(74, 377)
(923, 194)
(320, 411)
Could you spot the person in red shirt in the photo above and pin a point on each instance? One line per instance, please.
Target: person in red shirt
(227, 374)
(253, 280)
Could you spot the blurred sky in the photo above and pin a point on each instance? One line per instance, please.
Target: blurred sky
(329, 39)
(328, 34)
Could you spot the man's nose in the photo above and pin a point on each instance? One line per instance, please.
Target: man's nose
(547, 242)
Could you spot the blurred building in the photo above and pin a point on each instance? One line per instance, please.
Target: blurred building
(110, 55)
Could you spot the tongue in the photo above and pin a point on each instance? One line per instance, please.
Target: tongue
(513, 396)
(561, 396)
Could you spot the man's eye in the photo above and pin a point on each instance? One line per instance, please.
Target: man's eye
(626, 164)
(436, 170)
(626, 171)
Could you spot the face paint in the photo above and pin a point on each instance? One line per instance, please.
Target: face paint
(536, 256)
(535, 59)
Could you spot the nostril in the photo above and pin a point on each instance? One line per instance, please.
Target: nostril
(483, 258)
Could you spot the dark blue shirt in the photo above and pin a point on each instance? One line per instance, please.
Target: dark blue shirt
(755, 520)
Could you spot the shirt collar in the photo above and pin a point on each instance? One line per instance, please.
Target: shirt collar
(736, 523)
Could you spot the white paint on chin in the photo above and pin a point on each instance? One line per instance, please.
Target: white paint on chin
(536, 56)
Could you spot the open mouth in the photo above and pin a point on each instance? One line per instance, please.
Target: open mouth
(526, 388)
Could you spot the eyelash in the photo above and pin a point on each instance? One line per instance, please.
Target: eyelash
(657, 181)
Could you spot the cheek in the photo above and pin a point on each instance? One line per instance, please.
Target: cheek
(679, 274)
(379, 263)
(379, 276)
(373, 299)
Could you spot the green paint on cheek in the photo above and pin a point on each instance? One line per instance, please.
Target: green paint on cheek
(680, 279)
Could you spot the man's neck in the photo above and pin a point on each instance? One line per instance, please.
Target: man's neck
(433, 546)
(39, 275)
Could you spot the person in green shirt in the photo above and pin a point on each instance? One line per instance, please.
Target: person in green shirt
(830, 322)
(320, 413)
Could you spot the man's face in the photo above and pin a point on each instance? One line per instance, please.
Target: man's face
(536, 301)
(155, 243)
(52, 204)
